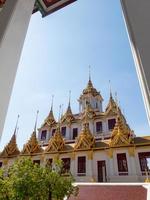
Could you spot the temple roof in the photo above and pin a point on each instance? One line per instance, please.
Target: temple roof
(11, 149)
(50, 120)
(121, 134)
(85, 140)
(32, 146)
(91, 90)
(56, 143)
(111, 108)
(68, 117)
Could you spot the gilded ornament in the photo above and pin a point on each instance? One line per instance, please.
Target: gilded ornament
(85, 140)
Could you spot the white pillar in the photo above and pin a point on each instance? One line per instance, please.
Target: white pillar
(14, 21)
(137, 18)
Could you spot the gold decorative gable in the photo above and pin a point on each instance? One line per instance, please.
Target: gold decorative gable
(68, 117)
(112, 107)
(121, 134)
(56, 143)
(11, 148)
(50, 120)
(88, 114)
(85, 140)
(32, 145)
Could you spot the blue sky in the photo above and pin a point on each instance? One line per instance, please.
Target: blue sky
(57, 52)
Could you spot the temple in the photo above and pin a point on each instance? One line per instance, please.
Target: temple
(95, 145)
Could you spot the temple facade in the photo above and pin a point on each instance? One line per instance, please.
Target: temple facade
(95, 145)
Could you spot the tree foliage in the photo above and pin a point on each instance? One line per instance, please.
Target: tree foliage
(25, 180)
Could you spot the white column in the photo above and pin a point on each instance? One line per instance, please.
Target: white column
(137, 18)
(14, 21)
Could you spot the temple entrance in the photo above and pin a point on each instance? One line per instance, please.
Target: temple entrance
(101, 169)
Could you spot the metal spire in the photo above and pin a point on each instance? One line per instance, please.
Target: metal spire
(52, 102)
(110, 89)
(36, 121)
(16, 127)
(69, 98)
(89, 73)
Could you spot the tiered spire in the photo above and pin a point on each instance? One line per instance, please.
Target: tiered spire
(56, 143)
(121, 134)
(11, 149)
(112, 106)
(85, 140)
(32, 146)
(50, 120)
(68, 117)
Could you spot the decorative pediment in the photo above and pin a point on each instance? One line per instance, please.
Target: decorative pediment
(68, 117)
(50, 120)
(88, 113)
(56, 143)
(32, 146)
(121, 134)
(112, 107)
(11, 148)
(85, 140)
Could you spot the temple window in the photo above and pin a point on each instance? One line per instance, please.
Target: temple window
(66, 165)
(122, 164)
(43, 135)
(1, 164)
(63, 131)
(49, 162)
(111, 124)
(36, 162)
(75, 133)
(99, 127)
(144, 159)
(81, 166)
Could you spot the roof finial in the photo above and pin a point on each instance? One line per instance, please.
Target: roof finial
(36, 121)
(116, 99)
(52, 102)
(16, 127)
(62, 109)
(69, 98)
(110, 88)
(89, 73)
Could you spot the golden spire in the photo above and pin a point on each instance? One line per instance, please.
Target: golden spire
(121, 134)
(68, 116)
(11, 148)
(90, 88)
(32, 146)
(50, 120)
(112, 106)
(56, 143)
(85, 140)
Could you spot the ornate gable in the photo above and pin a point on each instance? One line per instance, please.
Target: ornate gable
(68, 117)
(56, 143)
(11, 148)
(85, 140)
(111, 108)
(32, 146)
(121, 134)
(50, 120)
(88, 114)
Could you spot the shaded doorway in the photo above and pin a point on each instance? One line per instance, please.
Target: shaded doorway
(101, 171)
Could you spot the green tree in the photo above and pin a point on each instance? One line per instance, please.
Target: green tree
(25, 180)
